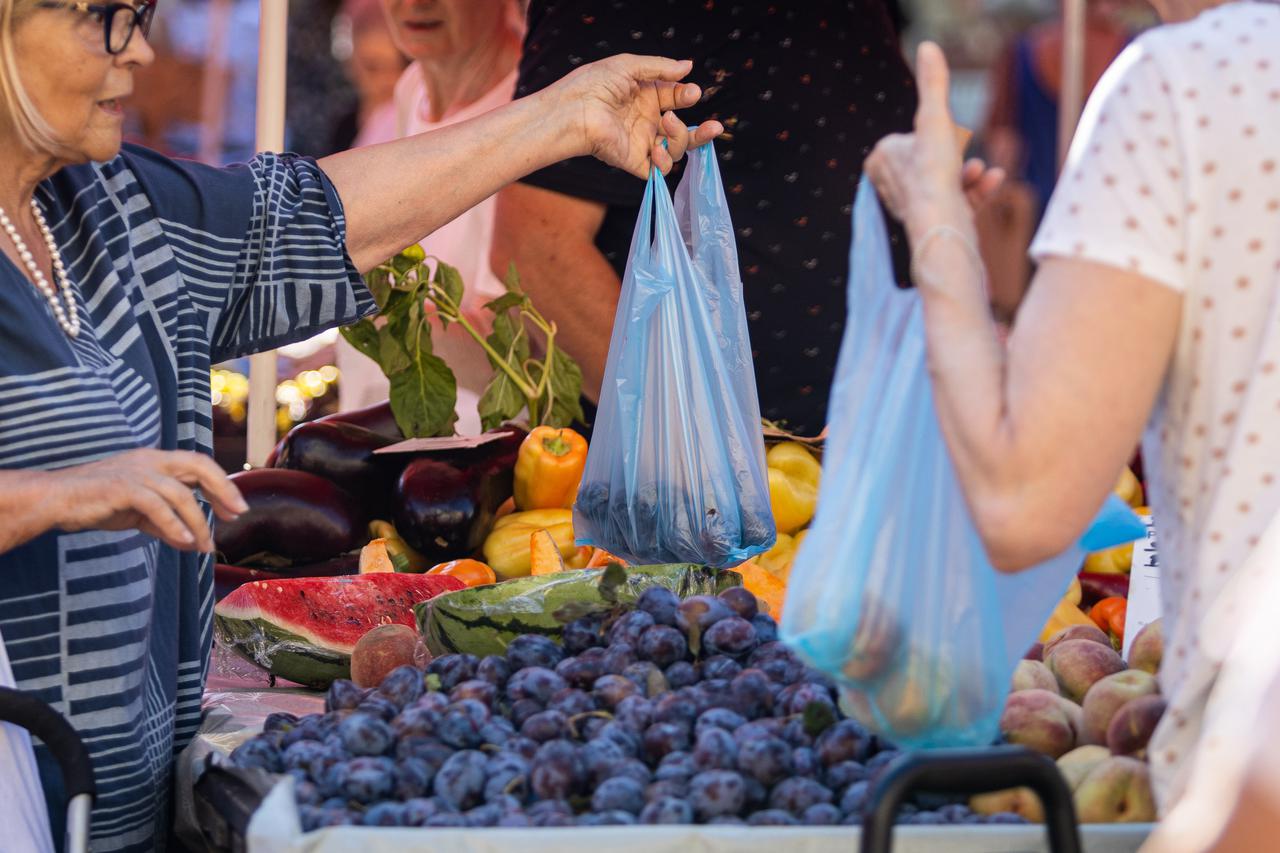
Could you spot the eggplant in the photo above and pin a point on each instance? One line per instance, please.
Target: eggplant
(444, 510)
(376, 418)
(227, 579)
(1095, 586)
(344, 454)
(294, 516)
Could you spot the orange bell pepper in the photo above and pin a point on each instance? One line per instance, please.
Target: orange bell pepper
(1108, 614)
(470, 572)
(549, 468)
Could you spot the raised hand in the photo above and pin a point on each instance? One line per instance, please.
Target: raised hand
(624, 105)
(919, 175)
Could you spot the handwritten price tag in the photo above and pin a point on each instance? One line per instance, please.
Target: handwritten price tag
(1144, 586)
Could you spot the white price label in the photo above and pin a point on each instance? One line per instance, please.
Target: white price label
(1144, 587)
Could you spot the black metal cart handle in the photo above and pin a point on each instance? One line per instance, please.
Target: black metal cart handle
(971, 771)
(44, 722)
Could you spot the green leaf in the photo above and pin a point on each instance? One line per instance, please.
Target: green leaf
(450, 282)
(378, 280)
(506, 302)
(424, 396)
(363, 335)
(565, 392)
(404, 318)
(391, 352)
(818, 717)
(511, 281)
(612, 579)
(509, 339)
(500, 402)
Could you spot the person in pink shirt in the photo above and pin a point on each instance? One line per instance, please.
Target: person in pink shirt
(465, 54)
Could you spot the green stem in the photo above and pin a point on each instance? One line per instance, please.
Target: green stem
(437, 295)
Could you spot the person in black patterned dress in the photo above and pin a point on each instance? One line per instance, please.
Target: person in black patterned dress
(804, 90)
(123, 275)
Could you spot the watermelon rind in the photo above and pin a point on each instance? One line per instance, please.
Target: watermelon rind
(483, 620)
(281, 653)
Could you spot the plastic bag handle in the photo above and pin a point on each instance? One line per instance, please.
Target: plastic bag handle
(37, 717)
(971, 771)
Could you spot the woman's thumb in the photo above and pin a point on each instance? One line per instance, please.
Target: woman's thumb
(933, 87)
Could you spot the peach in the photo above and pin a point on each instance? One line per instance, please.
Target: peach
(381, 650)
(1019, 801)
(1075, 632)
(1076, 764)
(1133, 724)
(1107, 695)
(1116, 790)
(876, 642)
(1078, 664)
(1032, 674)
(1040, 720)
(1148, 648)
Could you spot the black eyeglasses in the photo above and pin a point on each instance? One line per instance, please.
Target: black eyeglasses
(119, 20)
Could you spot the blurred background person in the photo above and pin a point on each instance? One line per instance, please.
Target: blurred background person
(465, 54)
(804, 92)
(373, 63)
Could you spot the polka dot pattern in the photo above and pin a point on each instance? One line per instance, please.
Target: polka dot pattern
(1181, 184)
(805, 91)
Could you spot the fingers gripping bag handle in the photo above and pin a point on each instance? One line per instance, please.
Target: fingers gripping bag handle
(892, 593)
(675, 472)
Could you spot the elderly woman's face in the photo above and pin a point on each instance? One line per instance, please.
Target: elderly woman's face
(440, 29)
(75, 85)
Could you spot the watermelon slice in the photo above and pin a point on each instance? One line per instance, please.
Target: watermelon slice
(303, 629)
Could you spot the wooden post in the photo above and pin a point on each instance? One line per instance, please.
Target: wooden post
(1072, 100)
(273, 46)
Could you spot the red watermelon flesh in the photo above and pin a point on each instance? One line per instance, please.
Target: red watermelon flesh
(303, 629)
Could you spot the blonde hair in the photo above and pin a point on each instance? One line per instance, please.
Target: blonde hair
(30, 126)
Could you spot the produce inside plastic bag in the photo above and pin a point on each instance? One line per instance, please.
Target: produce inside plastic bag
(676, 471)
(892, 594)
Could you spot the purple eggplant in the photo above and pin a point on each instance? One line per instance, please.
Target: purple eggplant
(344, 454)
(293, 516)
(226, 579)
(444, 510)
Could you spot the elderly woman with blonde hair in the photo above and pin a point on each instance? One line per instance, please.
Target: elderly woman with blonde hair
(124, 276)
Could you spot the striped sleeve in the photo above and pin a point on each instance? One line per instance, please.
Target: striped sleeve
(261, 248)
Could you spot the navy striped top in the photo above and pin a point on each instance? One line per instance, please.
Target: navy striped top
(176, 266)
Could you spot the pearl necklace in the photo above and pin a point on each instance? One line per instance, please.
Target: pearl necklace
(68, 318)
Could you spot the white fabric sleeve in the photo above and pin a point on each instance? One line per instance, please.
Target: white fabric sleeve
(1121, 199)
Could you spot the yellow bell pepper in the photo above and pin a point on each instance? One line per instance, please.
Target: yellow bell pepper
(1129, 488)
(1067, 613)
(1112, 561)
(793, 485)
(396, 547)
(549, 468)
(506, 549)
(777, 560)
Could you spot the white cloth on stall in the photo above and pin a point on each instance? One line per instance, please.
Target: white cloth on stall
(462, 243)
(24, 821)
(1175, 173)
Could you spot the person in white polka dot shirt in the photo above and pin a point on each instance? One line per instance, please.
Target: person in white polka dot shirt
(1154, 315)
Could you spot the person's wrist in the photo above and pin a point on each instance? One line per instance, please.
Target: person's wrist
(948, 210)
(561, 115)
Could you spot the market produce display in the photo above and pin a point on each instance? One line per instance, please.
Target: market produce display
(486, 620)
(664, 711)
(304, 629)
(1084, 706)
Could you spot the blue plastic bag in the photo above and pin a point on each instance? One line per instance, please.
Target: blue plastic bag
(676, 472)
(891, 593)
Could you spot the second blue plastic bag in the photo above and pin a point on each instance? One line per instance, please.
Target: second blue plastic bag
(892, 594)
(676, 472)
